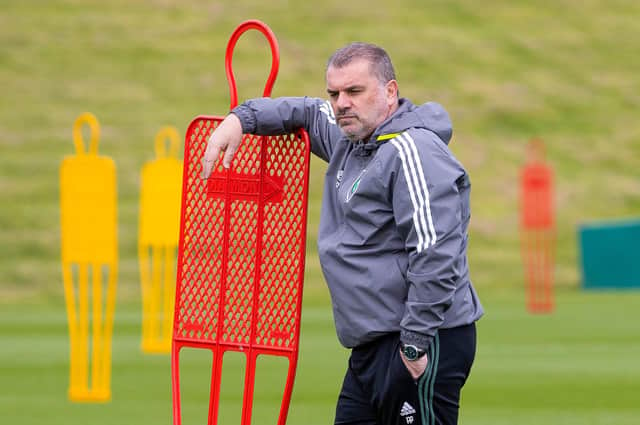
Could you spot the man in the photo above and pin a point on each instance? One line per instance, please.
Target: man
(392, 237)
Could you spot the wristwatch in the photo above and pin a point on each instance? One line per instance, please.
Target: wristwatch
(411, 352)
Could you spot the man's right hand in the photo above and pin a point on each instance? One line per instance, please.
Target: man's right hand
(225, 138)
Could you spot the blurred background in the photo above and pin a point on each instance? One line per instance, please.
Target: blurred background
(567, 72)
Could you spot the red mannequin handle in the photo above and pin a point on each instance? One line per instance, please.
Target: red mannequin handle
(275, 57)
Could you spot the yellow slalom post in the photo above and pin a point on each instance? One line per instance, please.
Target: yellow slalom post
(160, 194)
(88, 213)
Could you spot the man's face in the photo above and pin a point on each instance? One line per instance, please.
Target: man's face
(360, 101)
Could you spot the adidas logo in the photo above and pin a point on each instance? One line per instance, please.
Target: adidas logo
(407, 409)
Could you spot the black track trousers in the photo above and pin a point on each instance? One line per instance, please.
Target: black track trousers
(378, 389)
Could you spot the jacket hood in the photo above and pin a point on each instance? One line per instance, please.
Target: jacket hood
(431, 116)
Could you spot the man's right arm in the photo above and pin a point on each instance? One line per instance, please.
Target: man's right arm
(267, 116)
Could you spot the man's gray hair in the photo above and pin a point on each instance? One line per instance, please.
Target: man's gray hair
(378, 59)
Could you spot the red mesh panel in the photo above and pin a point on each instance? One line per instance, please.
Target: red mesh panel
(241, 256)
(249, 257)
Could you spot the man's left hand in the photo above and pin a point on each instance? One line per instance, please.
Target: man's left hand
(417, 368)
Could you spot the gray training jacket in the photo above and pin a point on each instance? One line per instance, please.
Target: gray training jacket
(393, 227)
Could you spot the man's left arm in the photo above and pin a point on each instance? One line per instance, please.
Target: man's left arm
(428, 210)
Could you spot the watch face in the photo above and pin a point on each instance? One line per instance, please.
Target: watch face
(410, 352)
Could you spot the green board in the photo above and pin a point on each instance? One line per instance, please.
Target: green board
(610, 254)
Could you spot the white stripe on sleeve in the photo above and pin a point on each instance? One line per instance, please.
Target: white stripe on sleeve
(418, 191)
(328, 111)
(425, 191)
(410, 185)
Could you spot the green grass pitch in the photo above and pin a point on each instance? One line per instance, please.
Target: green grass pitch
(577, 366)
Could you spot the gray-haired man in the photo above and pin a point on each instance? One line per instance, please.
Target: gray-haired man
(392, 237)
